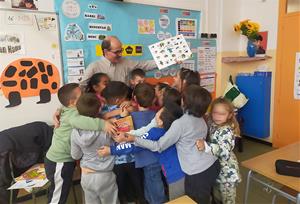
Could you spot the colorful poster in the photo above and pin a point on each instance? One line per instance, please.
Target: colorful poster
(169, 51)
(188, 64)
(71, 8)
(207, 56)
(18, 18)
(186, 27)
(297, 77)
(208, 81)
(146, 26)
(73, 33)
(12, 43)
(45, 23)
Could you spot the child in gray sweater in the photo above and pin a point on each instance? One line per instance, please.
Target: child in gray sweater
(97, 178)
(201, 169)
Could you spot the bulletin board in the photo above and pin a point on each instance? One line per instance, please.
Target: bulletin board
(30, 66)
(83, 25)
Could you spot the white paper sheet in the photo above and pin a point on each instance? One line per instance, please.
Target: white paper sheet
(169, 51)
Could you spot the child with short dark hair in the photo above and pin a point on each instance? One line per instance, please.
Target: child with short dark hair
(136, 77)
(168, 158)
(171, 95)
(201, 169)
(144, 95)
(59, 164)
(97, 178)
(115, 94)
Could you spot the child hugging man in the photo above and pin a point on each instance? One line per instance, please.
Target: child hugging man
(59, 164)
(115, 93)
(97, 178)
(144, 95)
(136, 77)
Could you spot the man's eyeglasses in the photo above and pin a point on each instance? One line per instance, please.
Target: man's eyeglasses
(117, 52)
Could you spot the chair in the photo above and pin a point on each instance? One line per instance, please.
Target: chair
(23, 147)
(20, 148)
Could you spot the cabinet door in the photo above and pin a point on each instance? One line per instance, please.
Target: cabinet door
(255, 115)
(286, 108)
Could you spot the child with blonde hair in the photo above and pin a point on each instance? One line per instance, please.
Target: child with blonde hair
(223, 128)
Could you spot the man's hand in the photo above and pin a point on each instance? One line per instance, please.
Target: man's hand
(200, 145)
(104, 151)
(109, 128)
(56, 118)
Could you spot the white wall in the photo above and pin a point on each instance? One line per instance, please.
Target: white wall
(265, 12)
(223, 14)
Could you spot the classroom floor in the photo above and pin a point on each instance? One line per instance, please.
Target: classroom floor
(257, 195)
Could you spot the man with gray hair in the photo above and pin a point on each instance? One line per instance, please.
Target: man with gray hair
(113, 64)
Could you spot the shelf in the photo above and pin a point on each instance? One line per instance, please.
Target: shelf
(243, 59)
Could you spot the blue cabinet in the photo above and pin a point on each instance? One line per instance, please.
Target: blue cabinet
(255, 115)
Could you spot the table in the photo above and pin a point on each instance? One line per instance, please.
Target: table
(265, 166)
(182, 200)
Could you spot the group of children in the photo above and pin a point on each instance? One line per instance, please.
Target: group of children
(174, 141)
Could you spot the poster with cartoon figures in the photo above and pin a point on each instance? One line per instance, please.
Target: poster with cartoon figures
(84, 25)
(170, 51)
(186, 27)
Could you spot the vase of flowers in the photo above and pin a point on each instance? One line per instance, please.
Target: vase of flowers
(250, 30)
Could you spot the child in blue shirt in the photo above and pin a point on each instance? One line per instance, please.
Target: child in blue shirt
(153, 131)
(168, 159)
(144, 95)
(129, 178)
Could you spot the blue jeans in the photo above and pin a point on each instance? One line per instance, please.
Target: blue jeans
(153, 184)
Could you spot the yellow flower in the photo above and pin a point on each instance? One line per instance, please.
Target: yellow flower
(244, 21)
(249, 25)
(247, 28)
(256, 26)
(237, 28)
